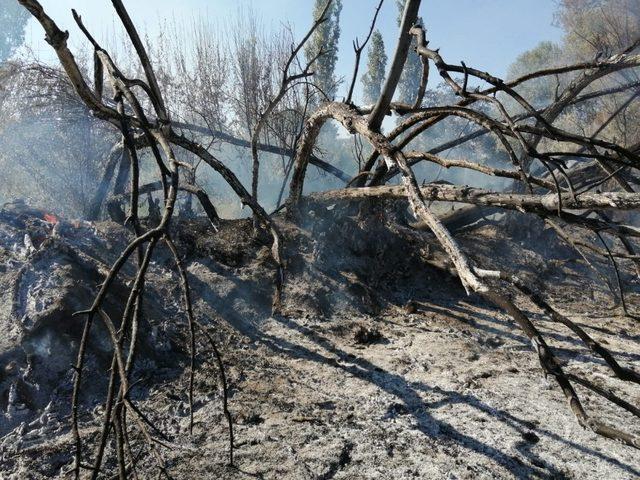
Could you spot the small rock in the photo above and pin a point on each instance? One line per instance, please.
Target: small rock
(396, 409)
(254, 419)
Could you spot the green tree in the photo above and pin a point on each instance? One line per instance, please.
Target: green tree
(325, 40)
(412, 73)
(598, 26)
(13, 19)
(601, 28)
(376, 65)
(540, 91)
(592, 28)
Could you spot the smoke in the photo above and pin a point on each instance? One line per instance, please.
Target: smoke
(53, 152)
(51, 148)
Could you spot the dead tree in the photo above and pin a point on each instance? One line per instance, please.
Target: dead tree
(161, 138)
(552, 197)
(156, 131)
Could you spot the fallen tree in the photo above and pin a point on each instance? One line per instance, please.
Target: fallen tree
(473, 278)
(553, 197)
(549, 202)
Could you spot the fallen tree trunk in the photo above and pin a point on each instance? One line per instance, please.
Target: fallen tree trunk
(265, 147)
(478, 196)
(198, 192)
(473, 279)
(545, 206)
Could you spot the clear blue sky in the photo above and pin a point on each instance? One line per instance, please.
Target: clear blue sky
(486, 34)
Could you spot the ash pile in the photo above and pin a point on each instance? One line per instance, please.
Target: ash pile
(50, 268)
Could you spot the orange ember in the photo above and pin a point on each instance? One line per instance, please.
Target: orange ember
(51, 218)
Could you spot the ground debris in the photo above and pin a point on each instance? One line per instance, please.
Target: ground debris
(431, 383)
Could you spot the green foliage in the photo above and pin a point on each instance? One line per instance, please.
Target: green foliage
(376, 65)
(599, 26)
(325, 40)
(539, 92)
(592, 28)
(13, 19)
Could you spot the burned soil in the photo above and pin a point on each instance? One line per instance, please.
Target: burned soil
(379, 365)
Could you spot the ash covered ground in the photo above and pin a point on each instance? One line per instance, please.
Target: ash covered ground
(379, 366)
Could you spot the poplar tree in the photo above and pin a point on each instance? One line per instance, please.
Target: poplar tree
(325, 39)
(373, 78)
(412, 73)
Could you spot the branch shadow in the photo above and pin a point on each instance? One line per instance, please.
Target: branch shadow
(407, 393)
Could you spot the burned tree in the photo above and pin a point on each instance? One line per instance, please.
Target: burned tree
(568, 180)
(515, 137)
(126, 112)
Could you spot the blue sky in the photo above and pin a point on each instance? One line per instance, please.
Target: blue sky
(486, 34)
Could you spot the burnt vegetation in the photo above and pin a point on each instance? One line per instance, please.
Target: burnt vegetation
(561, 180)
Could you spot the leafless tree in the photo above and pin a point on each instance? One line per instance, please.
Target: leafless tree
(554, 196)
(139, 111)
